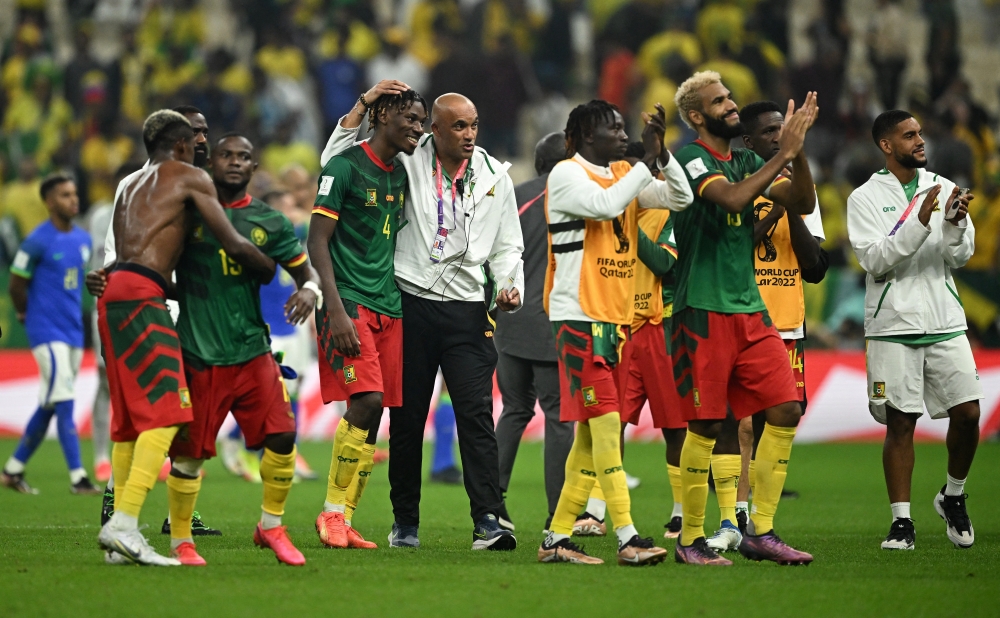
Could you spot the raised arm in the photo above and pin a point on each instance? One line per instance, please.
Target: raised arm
(959, 234)
(573, 193)
(201, 191)
(346, 132)
(659, 256)
(734, 196)
(799, 195)
(804, 244)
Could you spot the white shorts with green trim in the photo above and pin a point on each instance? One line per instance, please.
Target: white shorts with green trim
(906, 378)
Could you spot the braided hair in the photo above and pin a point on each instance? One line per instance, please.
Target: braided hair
(584, 119)
(386, 102)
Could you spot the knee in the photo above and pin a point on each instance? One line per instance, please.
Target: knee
(706, 429)
(899, 425)
(965, 414)
(186, 467)
(280, 443)
(787, 414)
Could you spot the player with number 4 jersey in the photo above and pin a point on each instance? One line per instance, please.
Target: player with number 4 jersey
(352, 238)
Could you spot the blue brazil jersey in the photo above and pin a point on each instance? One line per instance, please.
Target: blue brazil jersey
(54, 262)
(273, 297)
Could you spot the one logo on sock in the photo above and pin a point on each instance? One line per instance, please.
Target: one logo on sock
(783, 462)
(363, 473)
(612, 470)
(588, 473)
(589, 396)
(697, 470)
(349, 375)
(878, 390)
(343, 459)
(697, 398)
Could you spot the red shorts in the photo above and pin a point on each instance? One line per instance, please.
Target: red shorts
(587, 386)
(722, 358)
(142, 354)
(645, 372)
(797, 358)
(253, 391)
(379, 369)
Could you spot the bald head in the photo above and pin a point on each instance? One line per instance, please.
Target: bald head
(449, 105)
(549, 150)
(455, 124)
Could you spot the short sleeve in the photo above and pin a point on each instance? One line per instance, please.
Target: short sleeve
(27, 257)
(700, 167)
(334, 187)
(284, 246)
(814, 223)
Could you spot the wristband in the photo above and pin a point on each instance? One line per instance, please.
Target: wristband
(363, 101)
(310, 285)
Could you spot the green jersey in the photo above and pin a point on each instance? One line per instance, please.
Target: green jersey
(715, 264)
(366, 198)
(220, 321)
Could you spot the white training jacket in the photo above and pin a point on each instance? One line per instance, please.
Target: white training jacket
(573, 195)
(909, 289)
(487, 226)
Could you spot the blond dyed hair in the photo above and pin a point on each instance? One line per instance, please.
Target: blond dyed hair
(158, 123)
(688, 97)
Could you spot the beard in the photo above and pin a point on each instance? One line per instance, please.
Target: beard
(910, 161)
(200, 157)
(720, 128)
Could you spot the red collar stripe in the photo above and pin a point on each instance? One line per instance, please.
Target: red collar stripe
(371, 155)
(243, 203)
(714, 152)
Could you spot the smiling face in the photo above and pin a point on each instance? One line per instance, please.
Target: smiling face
(906, 144)
(719, 114)
(764, 138)
(403, 127)
(232, 163)
(608, 139)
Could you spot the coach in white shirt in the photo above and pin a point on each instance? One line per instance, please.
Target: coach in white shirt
(450, 231)
(907, 236)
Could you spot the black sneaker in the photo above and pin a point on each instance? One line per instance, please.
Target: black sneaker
(84, 487)
(698, 553)
(789, 494)
(16, 482)
(107, 505)
(448, 476)
(673, 527)
(503, 518)
(198, 527)
(901, 534)
(741, 521)
(952, 511)
(489, 535)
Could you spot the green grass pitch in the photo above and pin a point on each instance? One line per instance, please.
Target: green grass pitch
(50, 564)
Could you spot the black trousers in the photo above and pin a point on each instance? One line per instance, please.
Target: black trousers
(521, 383)
(458, 338)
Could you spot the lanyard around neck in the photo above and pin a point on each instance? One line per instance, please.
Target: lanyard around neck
(440, 191)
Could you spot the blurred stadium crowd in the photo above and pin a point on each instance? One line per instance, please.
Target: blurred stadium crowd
(79, 76)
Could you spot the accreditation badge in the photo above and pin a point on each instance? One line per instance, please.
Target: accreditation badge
(437, 249)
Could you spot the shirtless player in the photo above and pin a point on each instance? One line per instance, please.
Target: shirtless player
(140, 344)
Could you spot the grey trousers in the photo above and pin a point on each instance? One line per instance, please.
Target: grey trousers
(521, 382)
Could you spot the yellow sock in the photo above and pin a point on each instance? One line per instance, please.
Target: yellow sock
(150, 451)
(773, 452)
(182, 494)
(606, 433)
(726, 470)
(348, 443)
(357, 486)
(696, 457)
(121, 465)
(580, 479)
(674, 474)
(597, 493)
(752, 476)
(276, 472)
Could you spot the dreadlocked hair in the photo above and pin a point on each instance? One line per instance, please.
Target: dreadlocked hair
(584, 119)
(392, 101)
